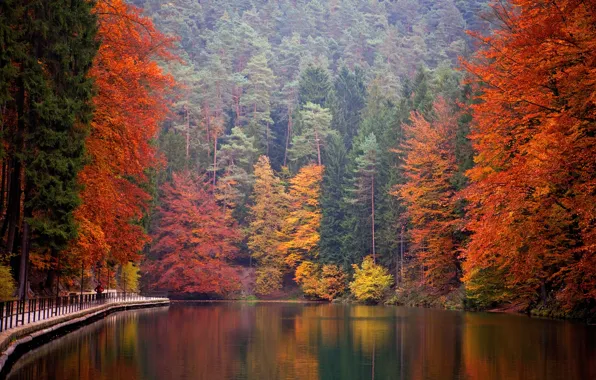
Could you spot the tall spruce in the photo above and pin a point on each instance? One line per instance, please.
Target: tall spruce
(52, 94)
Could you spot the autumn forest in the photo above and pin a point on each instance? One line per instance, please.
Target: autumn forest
(412, 152)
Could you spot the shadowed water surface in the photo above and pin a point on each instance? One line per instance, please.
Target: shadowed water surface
(314, 341)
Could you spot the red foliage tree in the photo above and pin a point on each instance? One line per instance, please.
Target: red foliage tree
(430, 195)
(533, 192)
(194, 240)
(129, 106)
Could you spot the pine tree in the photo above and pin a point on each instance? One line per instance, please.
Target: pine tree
(315, 87)
(54, 76)
(348, 103)
(365, 178)
(308, 145)
(256, 99)
(237, 156)
(332, 194)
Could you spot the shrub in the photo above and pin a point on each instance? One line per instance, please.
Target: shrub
(371, 281)
(130, 277)
(324, 282)
(307, 276)
(269, 280)
(7, 283)
(332, 283)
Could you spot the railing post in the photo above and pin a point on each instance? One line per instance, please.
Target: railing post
(1, 316)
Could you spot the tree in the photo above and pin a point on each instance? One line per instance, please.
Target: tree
(430, 196)
(120, 147)
(371, 281)
(266, 222)
(46, 93)
(365, 175)
(532, 200)
(314, 87)
(348, 103)
(320, 281)
(256, 99)
(194, 240)
(332, 195)
(7, 284)
(237, 156)
(308, 145)
(129, 279)
(301, 226)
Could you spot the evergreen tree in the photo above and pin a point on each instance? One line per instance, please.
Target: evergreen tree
(365, 179)
(315, 87)
(256, 99)
(332, 194)
(236, 159)
(308, 145)
(54, 110)
(348, 102)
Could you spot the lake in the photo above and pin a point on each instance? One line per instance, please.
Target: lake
(314, 341)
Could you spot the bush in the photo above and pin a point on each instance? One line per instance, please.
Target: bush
(130, 277)
(332, 283)
(269, 280)
(7, 283)
(371, 281)
(307, 276)
(324, 282)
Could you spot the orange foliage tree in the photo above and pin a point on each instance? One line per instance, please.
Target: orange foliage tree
(129, 106)
(533, 191)
(430, 195)
(301, 226)
(194, 240)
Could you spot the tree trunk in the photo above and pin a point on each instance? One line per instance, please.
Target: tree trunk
(318, 146)
(13, 213)
(214, 161)
(372, 202)
(288, 133)
(24, 264)
(2, 187)
(187, 135)
(401, 254)
(267, 126)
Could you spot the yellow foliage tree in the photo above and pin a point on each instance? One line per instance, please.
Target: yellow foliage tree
(7, 283)
(301, 227)
(370, 282)
(267, 216)
(130, 277)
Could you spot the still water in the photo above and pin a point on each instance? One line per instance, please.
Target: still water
(314, 341)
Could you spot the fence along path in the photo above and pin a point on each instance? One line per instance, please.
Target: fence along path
(14, 313)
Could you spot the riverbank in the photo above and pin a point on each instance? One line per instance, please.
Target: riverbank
(16, 341)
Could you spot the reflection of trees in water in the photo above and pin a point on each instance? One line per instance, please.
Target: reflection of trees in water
(293, 341)
(530, 350)
(102, 350)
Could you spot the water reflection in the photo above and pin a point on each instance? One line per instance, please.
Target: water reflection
(293, 341)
